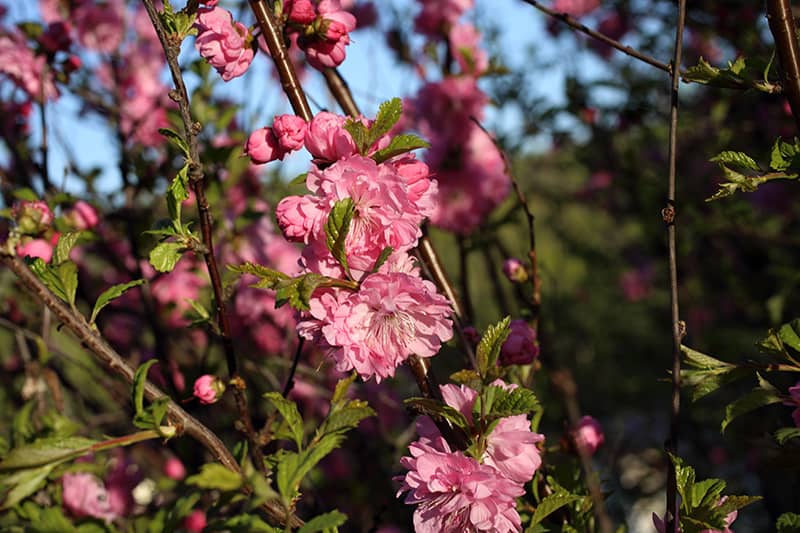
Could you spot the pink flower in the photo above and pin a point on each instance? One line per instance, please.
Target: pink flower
(100, 27)
(576, 8)
(36, 248)
(636, 283)
(223, 43)
(377, 328)
(465, 44)
(83, 216)
(27, 70)
(326, 48)
(262, 146)
(173, 290)
(511, 449)
(301, 11)
(290, 131)
(85, 495)
(454, 492)
(520, 347)
(438, 15)
(327, 140)
(196, 521)
(298, 216)
(515, 270)
(174, 469)
(32, 217)
(589, 435)
(208, 389)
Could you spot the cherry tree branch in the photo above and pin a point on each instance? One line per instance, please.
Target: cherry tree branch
(191, 128)
(782, 26)
(89, 337)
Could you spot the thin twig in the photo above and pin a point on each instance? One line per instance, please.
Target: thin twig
(190, 130)
(77, 324)
(564, 383)
(463, 268)
(782, 26)
(43, 125)
(341, 91)
(668, 214)
(290, 379)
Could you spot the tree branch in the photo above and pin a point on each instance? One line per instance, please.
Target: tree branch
(782, 26)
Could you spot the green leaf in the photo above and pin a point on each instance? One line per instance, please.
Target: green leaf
(66, 241)
(550, 505)
(384, 255)
(346, 417)
(399, 144)
(324, 522)
(466, 377)
(790, 334)
(359, 133)
(216, 476)
(764, 394)
(438, 411)
(20, 484)
(26, 194)
(785, 434)
(290, 414)
(340, 392)
(784, 155)
(68, 274)
(269, 278)
(788, 523)
(388, 114)
(176, 140)
(110, 294)
(736, 158)
(166, 255)
(299, 179)
(336, 229)
(495, 402)
(490, 345)
(298, 291)
(242, 523)
(139, 382)
(177, 192)
(47, 451)
(705, 374)
(701, 360)
(61, 279)
(293, 467)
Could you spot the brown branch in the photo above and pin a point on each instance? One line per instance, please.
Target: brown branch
(89, 337)
(191, 128)
(280, 57)
(341, 91)
(577, 25)
(668, 214)
(782, 26)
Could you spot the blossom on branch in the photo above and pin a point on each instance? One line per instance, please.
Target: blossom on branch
(223, 43)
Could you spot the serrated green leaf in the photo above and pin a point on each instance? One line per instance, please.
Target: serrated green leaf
(293, 467)
(268, 278)
(66, 241)
(400, 144)
(298, 291)
(166, 255)
(785, 434)
(216, 476)
(388, 114)
(764, 394)
(340, 392)
(346, 418)
(176, 140)
(47, 451)
(110, 294)
(336, 229)
(495, 402)
(551, 504)
(290, 414)
(490, 345)
(438, 411)
(359, 133)
(323, 522)
(788, 523)
(736, 158)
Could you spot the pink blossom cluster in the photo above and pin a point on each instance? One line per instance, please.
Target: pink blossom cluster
(576, 8)
(456, 492)
(26, 69)
(85, 494)
(225, 44)
(393, 313)
(438, 16)
(322, 31)
(34, 221)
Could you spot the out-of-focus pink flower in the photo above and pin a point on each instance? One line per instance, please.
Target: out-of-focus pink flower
(36, 248)
(327, 140)
(794, 400)
(120, 482)
(438, 15)
(377, 328)
(100, 27)
(589, 434)
(515, 270)
(223, 43)
(56, 37)
(290, 130)
(85, 495)
(196, 521)
(520, 347)
(465, 44)
(83, 216)
(576, 8)
(173, 291)
(27, 70)
(636, 284)
(32, 217)
(174, 469)
(301, 11)
(208, 389)
(366, 14)
(454, 492)
(262, 146)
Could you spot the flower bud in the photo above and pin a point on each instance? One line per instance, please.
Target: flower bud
(520, 347)
(302, 12)
(208, 389)
(589, 435)
(290, 131)
(515, 270)
(195, 522)
(174, 469)
(32, 217)
(262, 146)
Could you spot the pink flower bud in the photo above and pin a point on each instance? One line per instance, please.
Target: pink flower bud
(302, 12)
(174, 469)
(327, 140)
(520, 347)
(83, 215)
(290, 131)
(262, 146)
(195, 522)
(32, 217)
(515, 270)
(589, 434)
(208, 389)
(36, 248)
